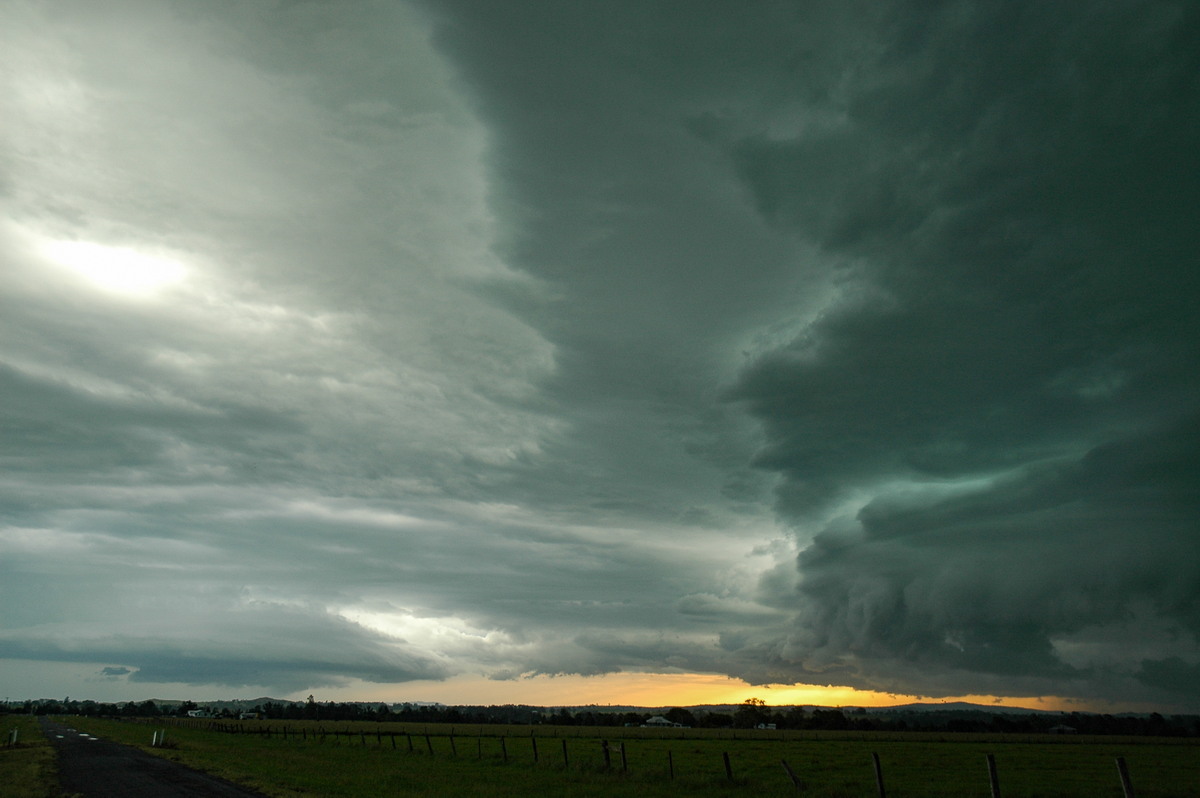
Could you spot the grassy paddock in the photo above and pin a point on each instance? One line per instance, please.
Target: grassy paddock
(27, 769)
(361, 759)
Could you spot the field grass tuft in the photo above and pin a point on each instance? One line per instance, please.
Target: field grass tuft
(27, 770)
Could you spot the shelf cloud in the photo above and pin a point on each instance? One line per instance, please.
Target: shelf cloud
(827, 343)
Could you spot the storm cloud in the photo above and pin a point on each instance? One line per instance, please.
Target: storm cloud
(820, 343)
(998, 413)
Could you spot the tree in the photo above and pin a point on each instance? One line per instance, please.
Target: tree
(794, 719)
(750, 714)
(680, 716)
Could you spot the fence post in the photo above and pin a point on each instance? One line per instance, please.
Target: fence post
(607, 759)
(878, 775)
(792, 774)
(429, 745)
(453, 747)
(503, 749)
(1123, 771)
(409, 736)
(533, 740)
(624, 761)
(728, 767)
(566, 762)
(670, 764)
(993, 778)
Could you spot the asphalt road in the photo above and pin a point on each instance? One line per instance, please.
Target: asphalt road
(95, 768)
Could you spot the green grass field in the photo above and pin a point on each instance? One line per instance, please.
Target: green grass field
(499, 761)
(26, 769)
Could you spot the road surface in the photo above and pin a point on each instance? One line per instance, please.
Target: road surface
(95, 768)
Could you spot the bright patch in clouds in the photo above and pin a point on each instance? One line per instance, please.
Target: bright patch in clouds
(118, 270)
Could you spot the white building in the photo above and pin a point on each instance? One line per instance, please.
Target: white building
(660, 721)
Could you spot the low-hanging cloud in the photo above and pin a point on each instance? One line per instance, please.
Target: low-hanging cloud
(998, 411)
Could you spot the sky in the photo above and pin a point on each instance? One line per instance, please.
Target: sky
(626, 352)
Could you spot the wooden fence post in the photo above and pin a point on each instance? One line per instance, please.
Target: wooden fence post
(428, 744)
(503, 749)
(993, 778)
(728, 767)
(533, 740)
(604, 748)
(410, 746)
(1123, 771)
(878, 775)
(670, 764)
(566, 762)
(453, 747)
(792, 774)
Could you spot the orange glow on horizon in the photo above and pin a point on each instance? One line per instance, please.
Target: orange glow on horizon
(671, 689)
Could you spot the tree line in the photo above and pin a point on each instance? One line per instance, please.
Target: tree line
(750, 715)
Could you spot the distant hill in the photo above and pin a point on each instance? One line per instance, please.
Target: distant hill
(963, 706)
(231, 703)
(241, 704)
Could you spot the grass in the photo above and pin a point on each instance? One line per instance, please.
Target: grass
(27, 769)
(356, 762)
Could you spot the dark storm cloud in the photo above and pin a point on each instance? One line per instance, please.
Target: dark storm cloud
(831, 342)
(1002, 403)
(632, 226)
(983, 322)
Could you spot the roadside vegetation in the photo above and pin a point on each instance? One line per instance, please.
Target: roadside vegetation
(27, 768)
